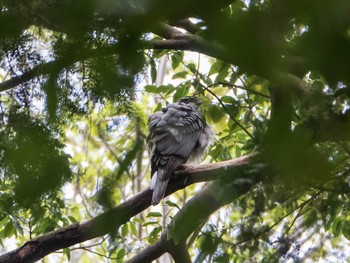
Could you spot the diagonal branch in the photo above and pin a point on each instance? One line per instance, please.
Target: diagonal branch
(195, 212)
(111, 220)
(175, 39)
(30, 74)
(56, 66)
(179, 252)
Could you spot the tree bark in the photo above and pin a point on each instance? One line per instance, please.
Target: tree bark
(197, 211)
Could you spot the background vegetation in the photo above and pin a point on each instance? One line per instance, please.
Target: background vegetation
(78, 81)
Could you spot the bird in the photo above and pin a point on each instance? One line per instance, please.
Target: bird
(177, 133)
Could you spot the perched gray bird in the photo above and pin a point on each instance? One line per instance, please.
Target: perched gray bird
(176, 133)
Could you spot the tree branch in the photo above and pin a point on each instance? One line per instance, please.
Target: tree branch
(151, 253)
(179, 252)
(195, 212)
(34, 72)
(111, 220)
(56, 66)
(175, 39)
(186, 24)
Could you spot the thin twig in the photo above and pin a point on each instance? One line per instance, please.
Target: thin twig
(227, 111)
(240, 87)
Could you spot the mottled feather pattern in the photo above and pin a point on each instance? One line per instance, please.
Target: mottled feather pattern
(177, 133)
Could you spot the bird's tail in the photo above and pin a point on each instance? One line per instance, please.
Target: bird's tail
(160, 187)
(163, 176)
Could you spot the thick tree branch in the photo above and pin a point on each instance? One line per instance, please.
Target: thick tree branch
(175, 39)
(195, 212)
(179, 252)
(186, 24)
(109, 221)
(151, 253)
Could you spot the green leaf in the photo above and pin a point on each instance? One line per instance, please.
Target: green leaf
(192, 67)
(154, 235)
(42, 226)
(72, 219)
(66, 251)
(180, 75)
(207, 80)
(154, 214)
(216, 67)
(158, 53)
(215, 113)
(310, 218)
(125, 230)
(166, 88)
(158, 107)
(238, 151)
(337, 226)
(176, 58)
(169, 203)
(8, 230)
(121, 255)
(133, 229)
(153, 71)
(222, 74)
(346, 229)
(157, 90)
(129, 158)
(18, 227)
(181, 91)
(327, 222)
(4, 221)
(228, 99)
(137, 220)
(152, 89)
(151, 223)
(208, 243)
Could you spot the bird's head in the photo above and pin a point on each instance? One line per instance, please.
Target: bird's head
(193, 101)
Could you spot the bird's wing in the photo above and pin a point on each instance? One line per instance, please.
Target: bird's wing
(174, 134)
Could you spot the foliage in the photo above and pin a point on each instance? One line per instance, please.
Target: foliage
(79, 78)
